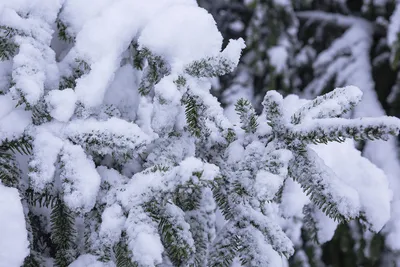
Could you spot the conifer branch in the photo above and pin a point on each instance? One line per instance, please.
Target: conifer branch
(63, 233)
(175, 235)
(225, 248)
(210, 67)
(248, 117)
(321, 185)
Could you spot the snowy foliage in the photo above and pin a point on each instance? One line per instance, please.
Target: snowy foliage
(114, 152)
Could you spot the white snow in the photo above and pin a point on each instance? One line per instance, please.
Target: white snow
(144, 241)
(233, 50)
(293, 199)
(112, 224)
(325, 225)
(46, 148)
(142, 185)
(14, 237)
(267, 184)
(358, 172)
(167, 106)
(121, 136)
(143, 151)
(75, 13)
(87, 260)
(61, 104)
(34, 67)
(181, 39)
(104, 38)
(13, 121)
(80, 180)
(394, 26)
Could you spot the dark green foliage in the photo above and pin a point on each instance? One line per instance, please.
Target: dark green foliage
(41, 239)
(7, 47)
(21, 146)
(248, 117)
(192, 116)
(62, 32)
(46, 198)
(396, 54)
(122, 255)
(188, 197)
(180, 82)
(9, 169)
(314, 182)
(177, 248)
(81, 67)
(224, 249)
(40, 113)
(274, 110)
(106, 255)
(30, 261)
(347, 248)
(137, 55)
(220, 194)
(63, 233)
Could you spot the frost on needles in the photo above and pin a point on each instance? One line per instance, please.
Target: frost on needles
(113, 152)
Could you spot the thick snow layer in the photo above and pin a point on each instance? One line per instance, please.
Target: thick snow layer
(119, 136)
(167, 108)
(143, 239)
(181, 39)
(61, 104)
(111, 225)
(331, 105)
(75, 13)
(143, 185)
(370, 182)
(34, 66)
(46, 148)
(116, 182)
(13, 121)
(233, 50)
(80, 180)
(13, 124)
(13, 235)
(325, 226)
(267, 184)
(104, 38)
(293, 200)
(385, 156)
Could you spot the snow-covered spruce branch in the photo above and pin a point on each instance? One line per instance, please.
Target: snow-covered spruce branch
(131, 158)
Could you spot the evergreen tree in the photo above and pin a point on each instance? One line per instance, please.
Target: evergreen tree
(114, 152)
